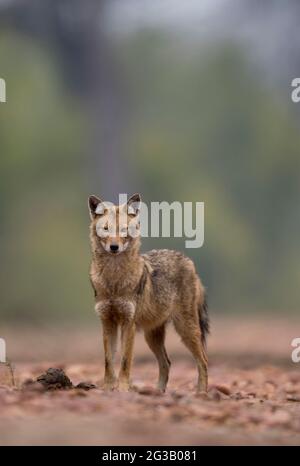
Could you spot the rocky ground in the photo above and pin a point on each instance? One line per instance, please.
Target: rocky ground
(253, 398)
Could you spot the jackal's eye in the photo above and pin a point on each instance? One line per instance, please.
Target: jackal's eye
(105, 228)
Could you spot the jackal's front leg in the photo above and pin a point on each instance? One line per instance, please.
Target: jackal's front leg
(110, 331)
(127, 335)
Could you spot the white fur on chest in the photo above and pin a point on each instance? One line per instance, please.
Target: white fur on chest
(117, 307)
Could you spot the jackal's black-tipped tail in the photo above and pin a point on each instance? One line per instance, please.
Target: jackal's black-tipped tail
(204, 321)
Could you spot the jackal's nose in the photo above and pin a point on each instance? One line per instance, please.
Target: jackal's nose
(114, 247)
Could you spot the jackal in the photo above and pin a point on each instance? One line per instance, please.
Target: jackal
(143, 291)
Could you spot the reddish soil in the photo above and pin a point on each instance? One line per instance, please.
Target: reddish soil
(254, 394)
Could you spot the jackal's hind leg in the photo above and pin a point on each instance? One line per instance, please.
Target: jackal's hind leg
(191, 337)
(156, 341)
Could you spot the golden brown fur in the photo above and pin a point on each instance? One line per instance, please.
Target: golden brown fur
(145, 291)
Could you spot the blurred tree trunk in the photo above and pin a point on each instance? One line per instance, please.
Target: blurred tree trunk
(74, 30)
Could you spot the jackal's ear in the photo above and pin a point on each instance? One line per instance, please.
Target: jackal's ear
(95, 205)
(134, 204)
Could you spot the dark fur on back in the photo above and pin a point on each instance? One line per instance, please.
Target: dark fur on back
(142, 283)
(204, 321)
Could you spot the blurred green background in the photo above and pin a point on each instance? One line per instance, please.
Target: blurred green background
(175, 100)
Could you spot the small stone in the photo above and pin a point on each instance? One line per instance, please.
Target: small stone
(86, 386)
(55, 379)
(293, 397)
(224, 389)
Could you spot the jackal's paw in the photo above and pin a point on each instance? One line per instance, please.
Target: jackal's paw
(124, 386)
(161, 389)
(109, 385)
(201, 391)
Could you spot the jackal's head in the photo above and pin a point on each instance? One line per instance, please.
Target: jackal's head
(115, 228)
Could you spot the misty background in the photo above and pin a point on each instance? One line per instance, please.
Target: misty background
(181, 101)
